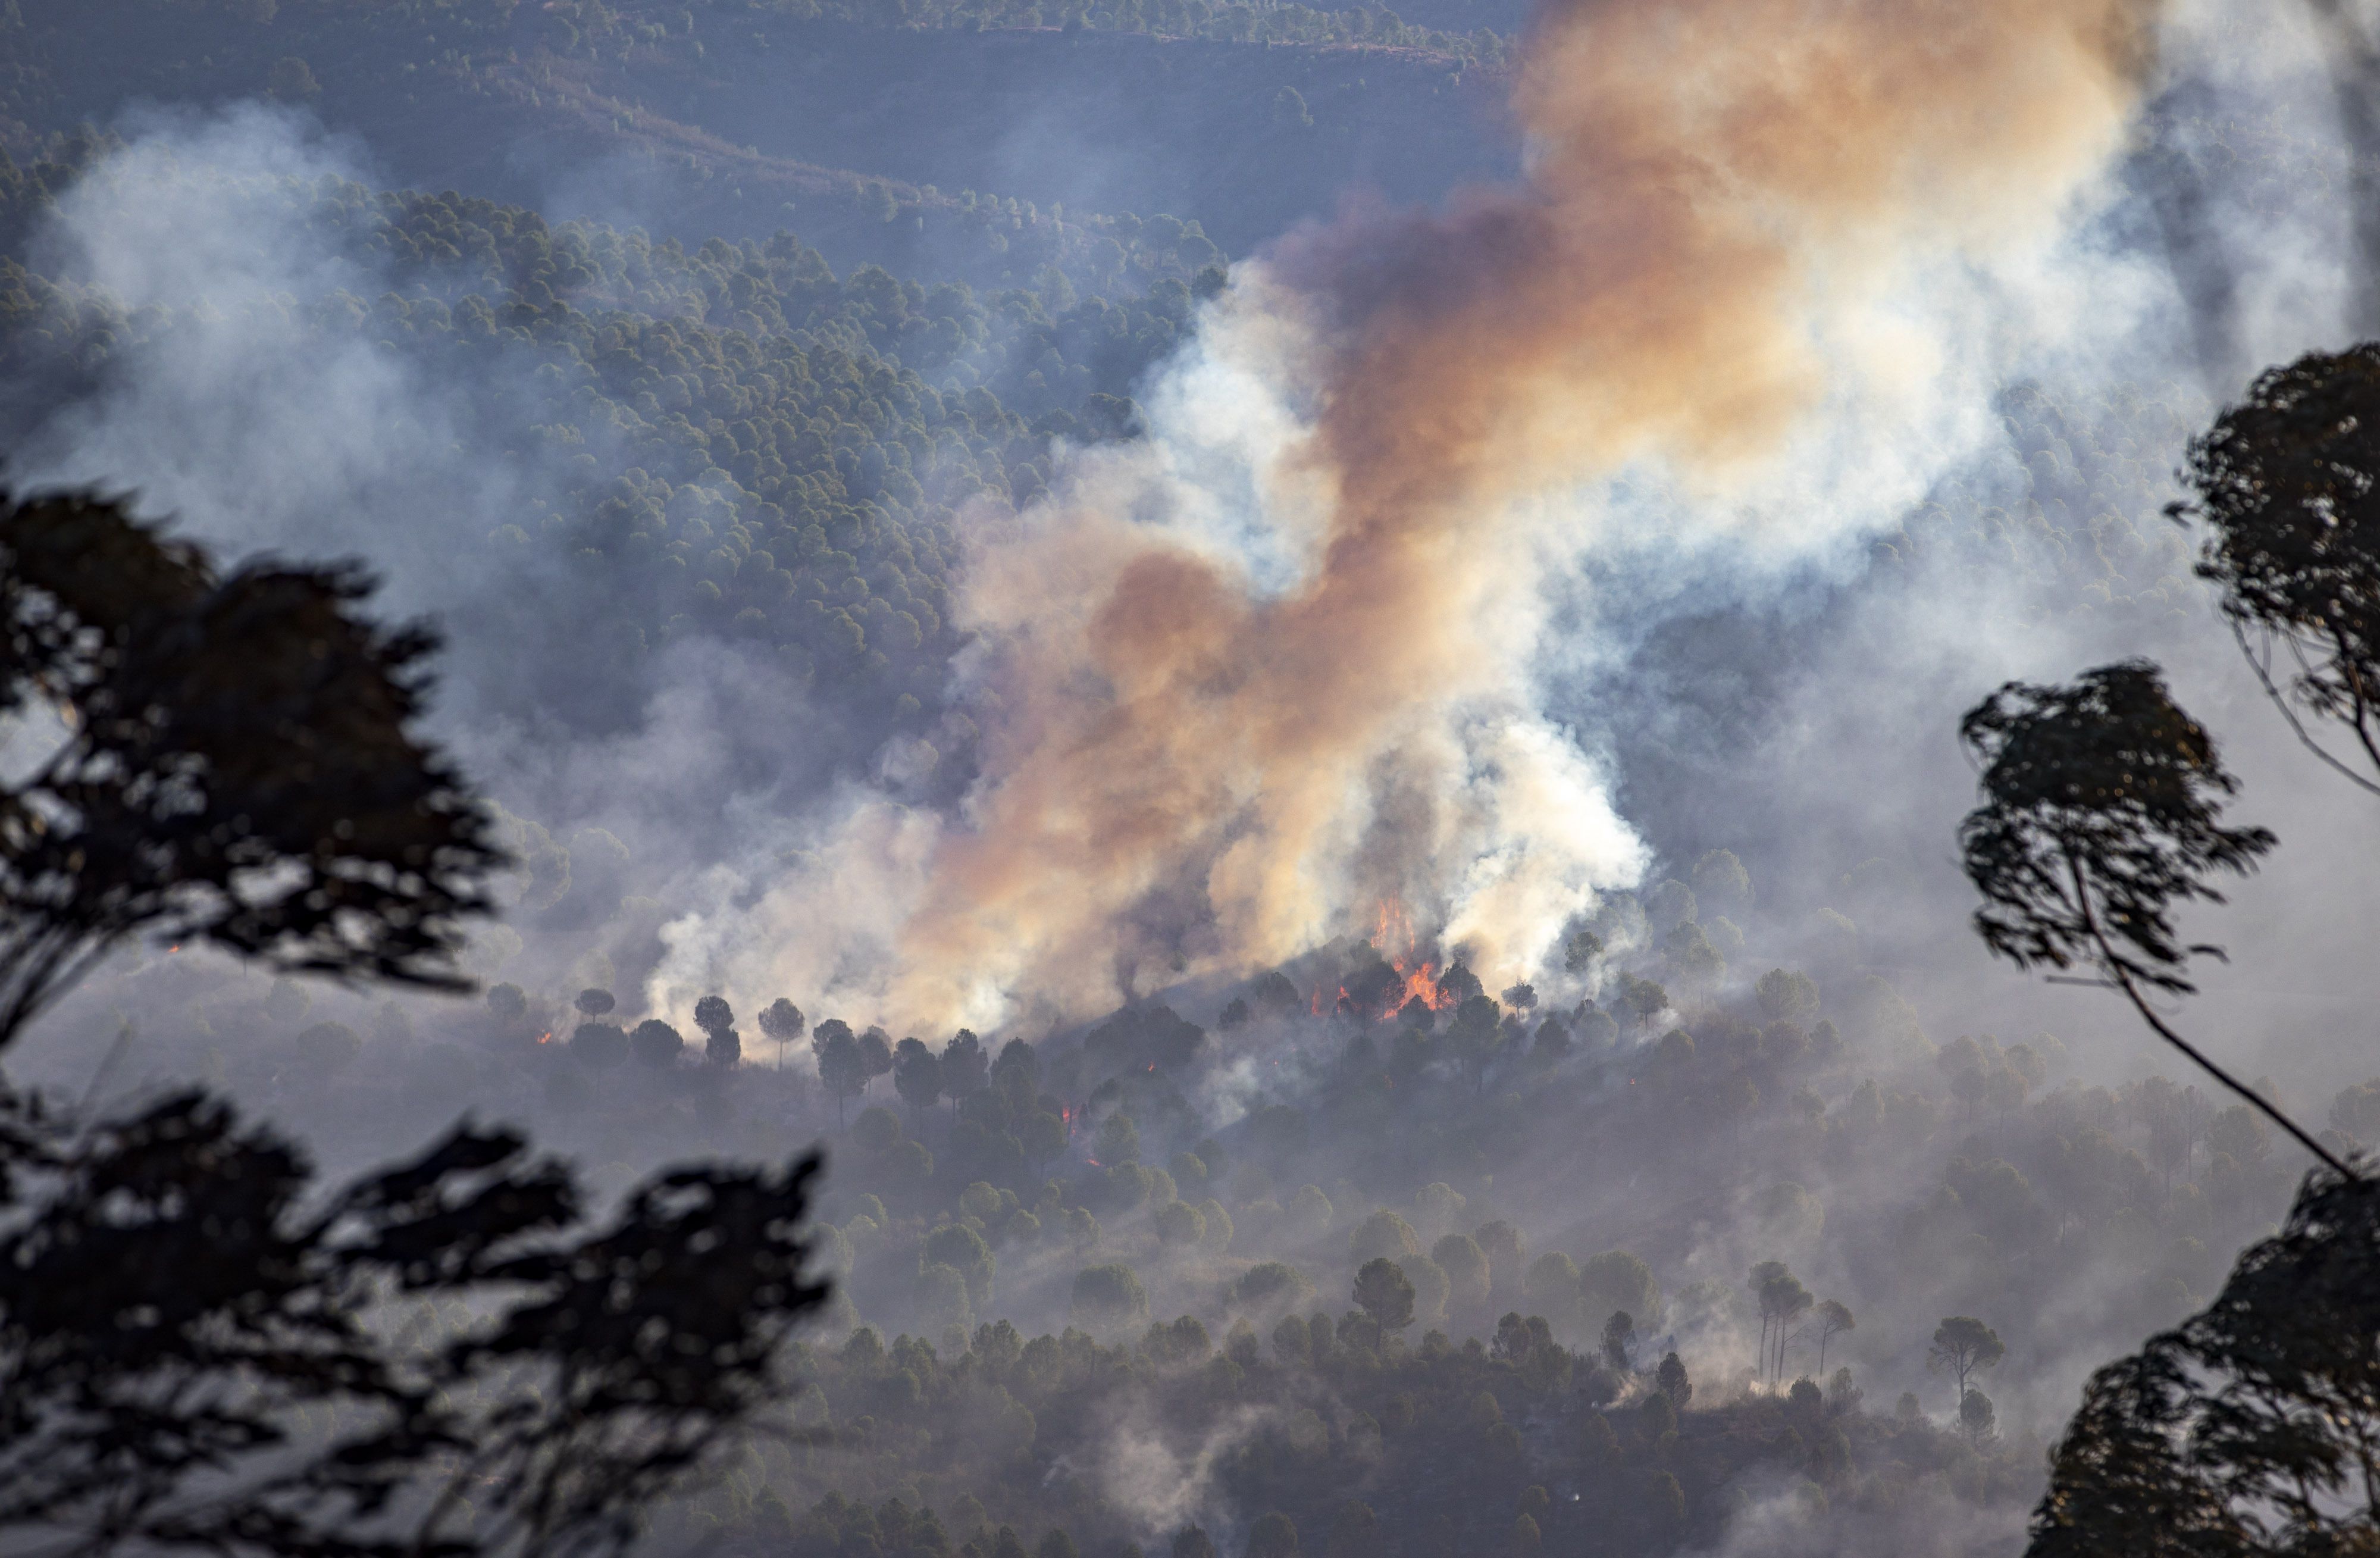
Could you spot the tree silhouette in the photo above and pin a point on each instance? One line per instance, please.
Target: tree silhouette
(1777, 1290)
(1507, 1253)
(1619, 1336)
(1786, 996)
(967, 1070)
(917, 1075)
(783, 1021)
(1671, 1380)
(1961, 1345)
(230, 764)
(2249, 1429)
(2102, 812)
(842, 1067)
(1644, 998)
(1118, 1141)
(1613, 1279)
(199, 1347)
(1042, 1136)
(1383, 1292)
(600, 1046)
(1977, 1418)
(1465, 1265)
(1108, 1300)
(1478, 1036)
(1834, 1319)
(2287, 485)
(875, 1056)
(1272, 1536)
(1017, 1072)
(656, 1044)
(1178, 1223)
(181, 1297)
(1788, 1300)
(721, 1045)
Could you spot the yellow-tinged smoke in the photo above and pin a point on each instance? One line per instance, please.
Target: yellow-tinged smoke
(1224, 716)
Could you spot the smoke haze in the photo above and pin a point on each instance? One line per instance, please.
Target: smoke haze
(1488, 561)
(1713, 274)
(1331, 634)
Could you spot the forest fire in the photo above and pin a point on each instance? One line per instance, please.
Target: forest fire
(1402, 976)
(1392, 933)
(1421, 985)
(1525, 505)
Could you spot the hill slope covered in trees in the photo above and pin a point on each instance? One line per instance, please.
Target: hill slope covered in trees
(710, 118)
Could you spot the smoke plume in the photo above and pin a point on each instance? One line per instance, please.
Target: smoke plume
(1278, 661)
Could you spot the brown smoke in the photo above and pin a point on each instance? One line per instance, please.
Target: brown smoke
(1180, 765)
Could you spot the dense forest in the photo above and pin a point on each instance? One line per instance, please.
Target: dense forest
(1071, 1310)
(713, 339)
(1246, 120)
(743, 444)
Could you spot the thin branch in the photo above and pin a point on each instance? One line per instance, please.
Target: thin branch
(2246, 1092)
(2115, 966)
(2280, 700)
(2346, 659)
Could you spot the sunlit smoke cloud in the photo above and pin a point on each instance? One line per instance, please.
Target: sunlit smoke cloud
(1279, 660)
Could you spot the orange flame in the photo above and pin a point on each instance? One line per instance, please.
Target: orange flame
(1393, 936)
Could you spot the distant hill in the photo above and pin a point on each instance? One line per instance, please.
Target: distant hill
(730, 444)
(705, 119)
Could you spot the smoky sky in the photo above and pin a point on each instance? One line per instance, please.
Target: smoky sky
(1485, 557)
(1493, 556)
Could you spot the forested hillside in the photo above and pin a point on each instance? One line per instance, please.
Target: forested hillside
(1074, 1312)
(885, 132)
(736, 442)
(710, 343)
(741, 443)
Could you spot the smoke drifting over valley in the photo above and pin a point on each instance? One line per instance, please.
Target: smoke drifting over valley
(1727, 215)
(1315, 641)
(1365, 717)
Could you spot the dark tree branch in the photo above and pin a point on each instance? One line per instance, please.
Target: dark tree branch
(2101, 814)
(2197, 1057)
(2287, 485)
(2297, 728)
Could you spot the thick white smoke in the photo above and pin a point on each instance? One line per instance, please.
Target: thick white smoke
(1287, 657)
(1333, 631)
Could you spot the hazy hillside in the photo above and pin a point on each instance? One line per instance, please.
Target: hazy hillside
(1323, 762)
(711, 119)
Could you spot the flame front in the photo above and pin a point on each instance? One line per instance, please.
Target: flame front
(1417, 975)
